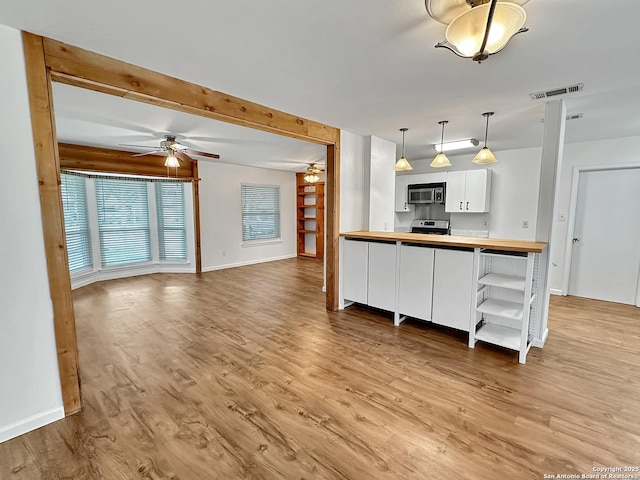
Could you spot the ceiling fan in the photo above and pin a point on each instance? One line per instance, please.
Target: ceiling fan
(312, 173)
(174, 149)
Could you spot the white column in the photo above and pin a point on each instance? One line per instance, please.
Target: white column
(551, 167)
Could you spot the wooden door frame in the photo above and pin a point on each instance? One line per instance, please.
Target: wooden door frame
(573, 209)
(47, 61)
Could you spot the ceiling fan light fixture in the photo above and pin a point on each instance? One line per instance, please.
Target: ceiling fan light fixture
(485, 155)
(171, 161)
(482, 30)
(311, 178)
(441, 160)
(402, 164)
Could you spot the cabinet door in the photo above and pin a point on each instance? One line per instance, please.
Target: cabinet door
(416, 281)
(455, 194)
(355, 265)
(402, 181)
(452, 288)
(477, 191)
(382, 275)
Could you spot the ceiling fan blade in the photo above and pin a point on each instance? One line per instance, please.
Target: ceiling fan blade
(152, 152)
(150, 147)
(183, 156)
(204, 154)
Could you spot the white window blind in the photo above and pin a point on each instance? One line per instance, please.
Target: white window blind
(260, 212)
(172, 230)
(123, 222)
(76, 222)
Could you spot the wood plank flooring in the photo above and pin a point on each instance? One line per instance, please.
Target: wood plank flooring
(241, 373)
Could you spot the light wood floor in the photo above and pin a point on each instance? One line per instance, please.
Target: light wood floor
(241, 373)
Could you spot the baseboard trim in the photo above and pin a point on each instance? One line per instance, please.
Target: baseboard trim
(539, 342)
(555, 291)
(85, 279)
(248, 262)
(30, 423)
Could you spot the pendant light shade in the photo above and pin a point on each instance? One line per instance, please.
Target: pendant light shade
(485, 155)
(441, 159)
(402, 164)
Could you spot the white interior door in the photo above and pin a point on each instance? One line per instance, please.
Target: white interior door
(605, 260)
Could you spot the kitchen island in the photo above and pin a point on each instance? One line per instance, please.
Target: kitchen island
(488, 287)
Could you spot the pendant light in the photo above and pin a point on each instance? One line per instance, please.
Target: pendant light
(441, 159)
(402, 164)
(485, 155)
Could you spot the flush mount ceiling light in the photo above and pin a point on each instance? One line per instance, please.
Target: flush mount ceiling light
(478, 28)
(457, 145)
(441, 159)
(485, 155)
(402, 164)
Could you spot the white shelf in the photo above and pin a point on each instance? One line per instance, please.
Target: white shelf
(501, 308)
(499, 335)
(503, 281)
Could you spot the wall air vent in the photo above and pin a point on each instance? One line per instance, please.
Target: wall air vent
(557, 91)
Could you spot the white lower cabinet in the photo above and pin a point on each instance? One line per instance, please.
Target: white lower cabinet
(416, 281)
(382, 275)
(452, 288)
(355, 270)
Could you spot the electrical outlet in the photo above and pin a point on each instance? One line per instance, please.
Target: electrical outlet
(562, 217)
(525, 223)
(485, 223)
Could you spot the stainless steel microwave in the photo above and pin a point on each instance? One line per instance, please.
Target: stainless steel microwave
(426, 193)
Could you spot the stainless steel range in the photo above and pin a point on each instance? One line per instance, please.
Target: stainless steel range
(433, 227)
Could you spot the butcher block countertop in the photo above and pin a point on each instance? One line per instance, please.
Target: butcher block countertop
(451, 241)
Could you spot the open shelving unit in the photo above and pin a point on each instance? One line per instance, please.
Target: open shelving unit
(310, 218)
(506, 300)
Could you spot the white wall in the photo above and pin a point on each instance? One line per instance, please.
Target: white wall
(514, 194)
(30, 394)
(379, 184)
(602, 152)
(352, 194)
(221, 215)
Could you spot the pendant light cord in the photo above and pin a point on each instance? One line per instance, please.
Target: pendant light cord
(402, 143)
(486, 131)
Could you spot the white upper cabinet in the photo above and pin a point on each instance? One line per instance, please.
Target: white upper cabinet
(418, 178)
(402, 182)
(468, 191)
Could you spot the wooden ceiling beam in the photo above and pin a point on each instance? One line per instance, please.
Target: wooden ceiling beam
(75, 66)
(106, 160)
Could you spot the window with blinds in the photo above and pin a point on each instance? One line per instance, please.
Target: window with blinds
(260, 212)
(76, 222)
(123, 222)
(172, 229)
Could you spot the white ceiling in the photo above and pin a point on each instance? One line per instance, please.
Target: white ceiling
(366, 66)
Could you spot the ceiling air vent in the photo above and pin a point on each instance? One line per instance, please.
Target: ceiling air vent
(557, 91)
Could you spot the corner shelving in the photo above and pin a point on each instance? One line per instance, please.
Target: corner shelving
(310, 218)
(506, 300)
